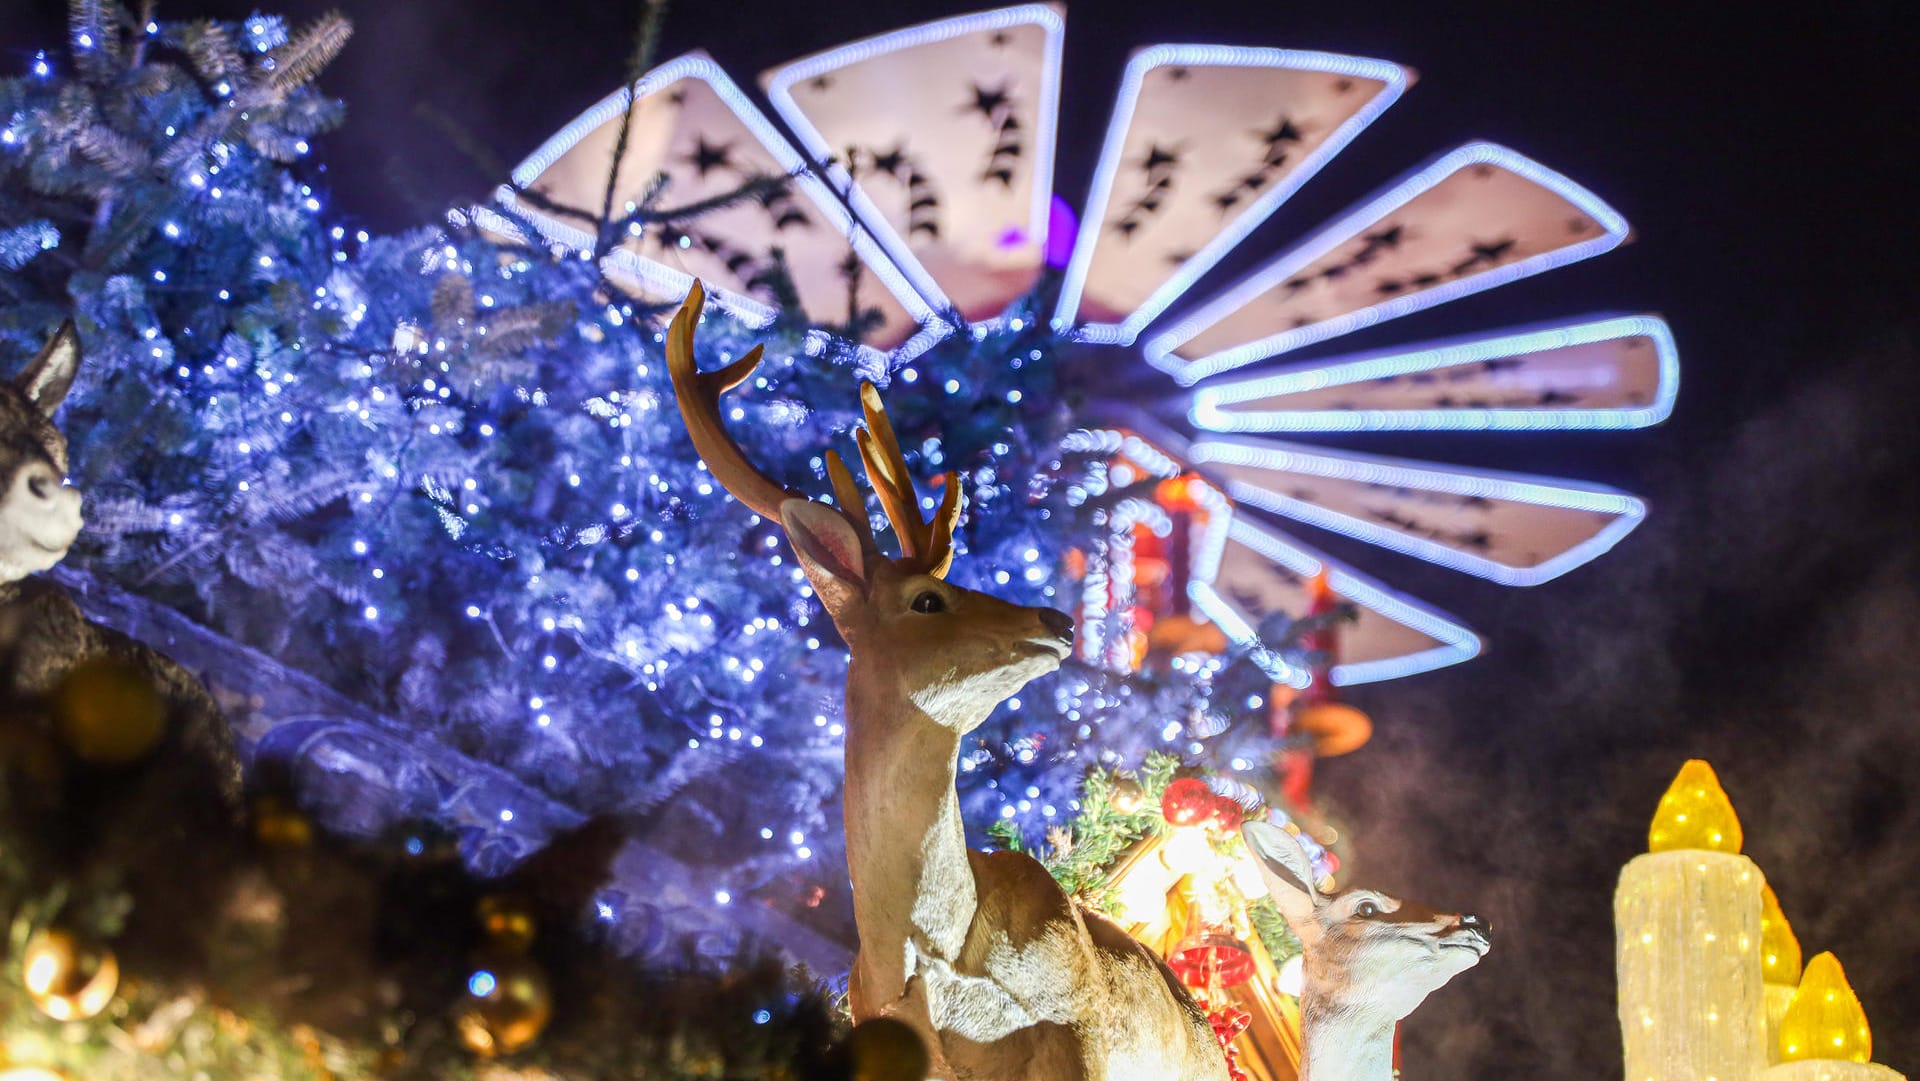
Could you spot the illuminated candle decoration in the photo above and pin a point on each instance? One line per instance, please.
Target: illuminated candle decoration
(1687, 915)
(1779, 966)
(1824, 1036)
(1695, 814)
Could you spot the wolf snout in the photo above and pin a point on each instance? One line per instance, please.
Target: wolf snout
(41, 500)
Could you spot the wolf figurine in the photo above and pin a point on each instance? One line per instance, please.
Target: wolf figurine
(43, 634)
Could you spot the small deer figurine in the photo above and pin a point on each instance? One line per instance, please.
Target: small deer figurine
(983, 954)
(1370, 960)
(43, 634)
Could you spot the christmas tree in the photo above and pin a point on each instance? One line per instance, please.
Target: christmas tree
(440, 473)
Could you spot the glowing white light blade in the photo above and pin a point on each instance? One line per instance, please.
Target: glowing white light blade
(941, 137)
(1506, 527)
(1612, 373)
(1205, 142)
(696, 135)
(1474, 219)
(1245, 571)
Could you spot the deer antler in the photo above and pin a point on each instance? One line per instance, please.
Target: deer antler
(925, 545)
(699, 396)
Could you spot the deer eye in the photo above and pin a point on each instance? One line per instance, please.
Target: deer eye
(929, 602)
(1366, 910)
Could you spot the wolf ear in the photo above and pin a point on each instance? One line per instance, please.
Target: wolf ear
(1288, 873)
(47, 380)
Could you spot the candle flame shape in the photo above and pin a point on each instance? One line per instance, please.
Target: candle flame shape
(1825, 1020)
(1779, 949)
(1695, 814)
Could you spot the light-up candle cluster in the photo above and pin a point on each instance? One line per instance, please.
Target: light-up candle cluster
(1711, 987)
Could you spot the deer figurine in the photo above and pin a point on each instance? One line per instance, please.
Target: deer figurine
(43, 633)
(1370, 959)
(983, 954)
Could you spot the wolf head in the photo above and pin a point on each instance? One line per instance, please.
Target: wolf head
(39, 513)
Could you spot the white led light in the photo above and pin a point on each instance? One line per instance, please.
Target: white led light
(779, 85)
(1214, 405)
(1625, 511)
(657, 277)
(1159, 349)
(1093, 221)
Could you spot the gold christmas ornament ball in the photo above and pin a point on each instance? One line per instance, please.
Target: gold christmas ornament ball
(1128, 797)
(507, 1004)
(68, 977)
(883, 1049)
(108, 713)
(507, 922)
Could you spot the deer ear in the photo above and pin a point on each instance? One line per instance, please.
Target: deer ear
(829, 552)
(47, 380)
(1288, 872)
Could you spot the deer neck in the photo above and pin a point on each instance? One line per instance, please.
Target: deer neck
(913, 888)
(1344, 1043)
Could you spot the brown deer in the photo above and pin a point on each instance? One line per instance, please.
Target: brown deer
(996, 968)
(1370, 960)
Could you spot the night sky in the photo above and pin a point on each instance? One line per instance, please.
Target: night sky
(1766, 617)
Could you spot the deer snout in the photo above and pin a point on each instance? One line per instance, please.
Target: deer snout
(1470, 932)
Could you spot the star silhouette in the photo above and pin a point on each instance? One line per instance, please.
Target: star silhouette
(821, 82)
(1226, 201)
(987, 102)
(1158, 158)
(707, 157)
(1389, 237)
(1000, 39)
(892, 161)
(1283, 132)
(1494, 252)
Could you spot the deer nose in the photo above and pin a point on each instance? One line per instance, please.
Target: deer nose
(1059, 624)
(1476, 924)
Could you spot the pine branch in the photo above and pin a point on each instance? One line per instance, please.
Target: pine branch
(298, 61)
(114, 152)
(213, 53)
(754, 188)
(645, 41)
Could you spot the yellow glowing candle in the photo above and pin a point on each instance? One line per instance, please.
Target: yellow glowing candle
(1824, 1036)
(1779, 966)
(1687, 916)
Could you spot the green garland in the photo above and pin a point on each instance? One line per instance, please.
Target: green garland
(1081, 854)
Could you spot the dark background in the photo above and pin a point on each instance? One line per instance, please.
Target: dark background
(1765, 617)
